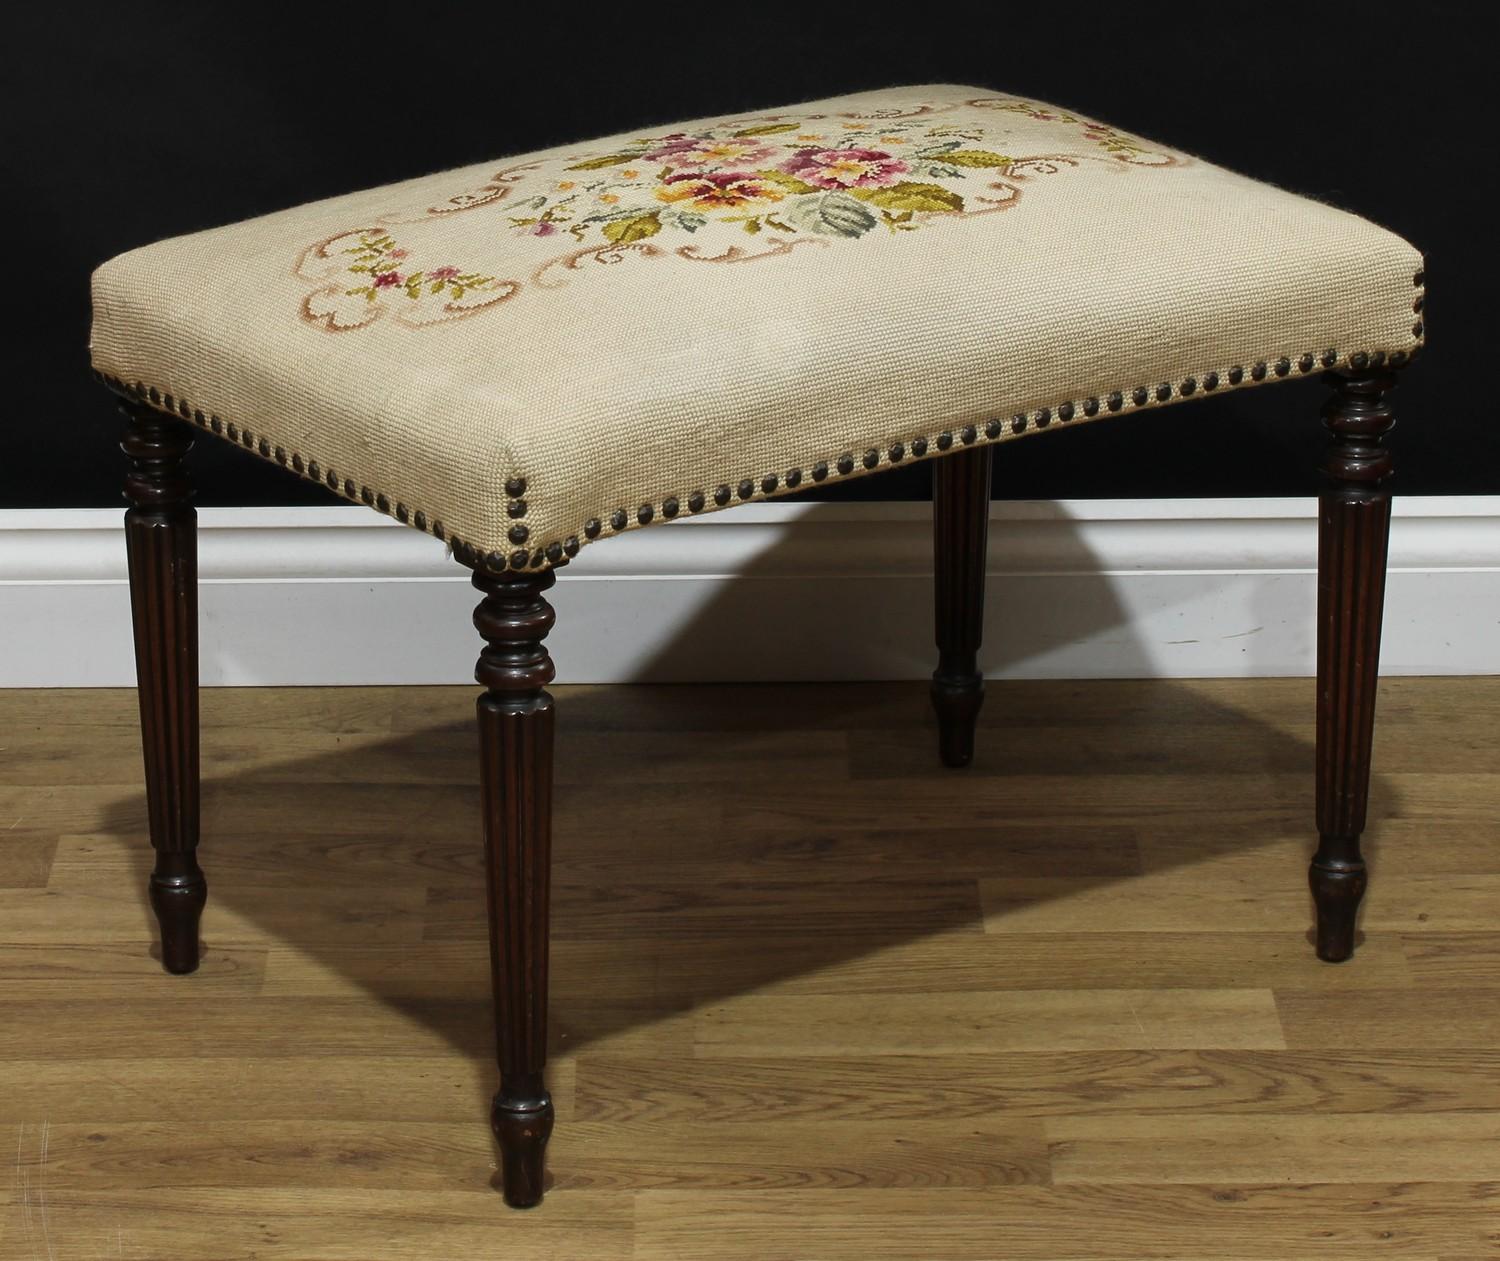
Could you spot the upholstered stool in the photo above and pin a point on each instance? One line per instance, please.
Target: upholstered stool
(529, 356)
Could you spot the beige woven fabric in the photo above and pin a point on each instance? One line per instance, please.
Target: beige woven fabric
(526, 354)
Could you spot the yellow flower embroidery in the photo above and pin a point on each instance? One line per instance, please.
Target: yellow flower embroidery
(714, 190)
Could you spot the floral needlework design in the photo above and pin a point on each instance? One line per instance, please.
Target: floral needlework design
(839, 181)
(727, 192)
(371, 278)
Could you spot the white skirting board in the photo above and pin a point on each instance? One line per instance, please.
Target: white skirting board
(1081, 589)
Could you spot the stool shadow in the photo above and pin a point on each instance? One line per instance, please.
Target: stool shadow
(712, 840)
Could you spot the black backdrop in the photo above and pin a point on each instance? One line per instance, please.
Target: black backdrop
(129, 122)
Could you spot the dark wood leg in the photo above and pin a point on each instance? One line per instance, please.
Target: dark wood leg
(161, 540)
(515, 764)
(1353, 528)
(960, 520)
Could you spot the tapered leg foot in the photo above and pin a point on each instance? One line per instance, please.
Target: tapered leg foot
(178, 894)
(1337, 887)
(1353, 530)
(522, 1127)
(960, 520)
(161, 540)
(957, 699)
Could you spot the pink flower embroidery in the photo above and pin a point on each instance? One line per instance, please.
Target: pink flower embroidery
(845, 168)
(543, 228)
(685, 151)
(442, 273)
(396, 253)
(386, 279)
(717, 190)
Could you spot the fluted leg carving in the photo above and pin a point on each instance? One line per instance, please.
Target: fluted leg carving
(960, 519)
(1353, 530)
(515, 750)
(161, 541)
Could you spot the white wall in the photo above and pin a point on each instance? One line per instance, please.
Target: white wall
(1118, 588)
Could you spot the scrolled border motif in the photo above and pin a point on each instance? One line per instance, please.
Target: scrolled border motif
(414, 299)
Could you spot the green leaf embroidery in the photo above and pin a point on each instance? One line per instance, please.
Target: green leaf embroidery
(624, 231)
(908, 196)
(833, 214)
(787, 183)
(612, 159)
(976, 157)
(767, 129)
(619, 212)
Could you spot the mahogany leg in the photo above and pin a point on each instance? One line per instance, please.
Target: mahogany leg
(161, 540)
(1353, 528)
(515, 762)
(960, 519)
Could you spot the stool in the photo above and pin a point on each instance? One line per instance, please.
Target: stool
(531, 355)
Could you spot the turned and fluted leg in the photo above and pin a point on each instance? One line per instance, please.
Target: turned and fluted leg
(161, 540)
(1353, 528)
(515, 754)
(960, 520)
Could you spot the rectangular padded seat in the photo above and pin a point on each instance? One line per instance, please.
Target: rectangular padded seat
(534, 352)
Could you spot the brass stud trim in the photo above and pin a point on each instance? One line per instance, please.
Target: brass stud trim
(918, 446)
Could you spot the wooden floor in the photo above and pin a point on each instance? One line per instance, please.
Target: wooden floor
(813, 996)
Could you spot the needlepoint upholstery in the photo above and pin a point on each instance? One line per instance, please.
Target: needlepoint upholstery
(530, 353)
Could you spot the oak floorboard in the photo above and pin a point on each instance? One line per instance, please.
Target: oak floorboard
(692, 909)
(955, 1023)
(26, 857)
(410, 1155)
(1457, 1019)
(702, 967)
(813, 995)
(106, 913)
(1021, 1084)
(1271, 1149)
(292, 1223)
(372, 1087)
(76, 970)
(1075, 1223)
(220, 1025)
(1454, 959)
(1234, 894)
